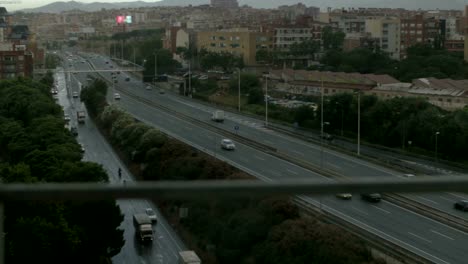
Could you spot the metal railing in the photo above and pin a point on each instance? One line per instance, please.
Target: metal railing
(215, 189)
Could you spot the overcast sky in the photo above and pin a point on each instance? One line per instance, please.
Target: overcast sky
(409, 4)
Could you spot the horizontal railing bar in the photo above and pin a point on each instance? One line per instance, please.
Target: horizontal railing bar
(236, 188)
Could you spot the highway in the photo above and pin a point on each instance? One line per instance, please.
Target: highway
(430, 239)
(340, 163)
(166, 245)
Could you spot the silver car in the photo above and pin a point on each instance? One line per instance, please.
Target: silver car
(227, 144)
(151, 215)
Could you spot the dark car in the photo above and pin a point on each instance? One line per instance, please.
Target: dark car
(461, 205)
(74, 131)
(371, 197)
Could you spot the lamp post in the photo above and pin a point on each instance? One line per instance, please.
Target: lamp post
(155, 68)
(436, 135)
(359, 124)
(266, 102)
(239, 86)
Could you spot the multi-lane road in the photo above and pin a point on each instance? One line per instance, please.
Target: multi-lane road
(166, 244)
(425, 237)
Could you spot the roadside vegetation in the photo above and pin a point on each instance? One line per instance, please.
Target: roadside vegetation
(250, 230)
(35, 147)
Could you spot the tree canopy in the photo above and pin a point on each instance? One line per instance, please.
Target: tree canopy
(35, 147)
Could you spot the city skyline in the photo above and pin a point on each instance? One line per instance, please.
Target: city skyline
(323, 4)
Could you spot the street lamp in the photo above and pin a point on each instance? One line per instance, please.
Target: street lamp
(359, 123)
(266, 102)
(436, 134)
(239, 86)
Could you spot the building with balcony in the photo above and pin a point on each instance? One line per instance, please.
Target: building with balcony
(386, 32)
(239, 42)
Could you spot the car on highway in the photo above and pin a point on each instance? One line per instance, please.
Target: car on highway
(74, 131)
(116, 96)
(148, 87)
(54, 91)
(461, 205)
(371, 197)
(66, 117)
(151, 215)
(161, 91)
(227, 144)
(203, 77)
(344, 196)
(127, 79)
(75, 94)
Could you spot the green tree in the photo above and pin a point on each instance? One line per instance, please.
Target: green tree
(332, 39)
(248, 82)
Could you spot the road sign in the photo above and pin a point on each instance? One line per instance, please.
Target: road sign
(236, 127)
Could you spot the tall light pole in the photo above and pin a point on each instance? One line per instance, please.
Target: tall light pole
(436, 134)
(155, 67)
(189, 78)
(321, 122)
(342, 116)
(266, 101)
(238, 89)
(359, 125)
(321, 109)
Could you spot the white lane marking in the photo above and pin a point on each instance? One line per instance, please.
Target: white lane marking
(430, 219)
(446, 199)
(258, 157)
(385, 211)
(458, 196)
(427, 200)
(293, 172)
(360, 211)
(297, 152)
(375, 230)
(433, 231)
(422, 238)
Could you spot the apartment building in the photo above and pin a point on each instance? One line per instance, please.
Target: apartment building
(417, 29)
(239, 42)
(348, 23)
(387, 32)
(15, 61)
(287, 35)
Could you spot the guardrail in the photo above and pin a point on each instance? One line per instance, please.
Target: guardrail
(373, 240)
(438, 215)
(262, 147)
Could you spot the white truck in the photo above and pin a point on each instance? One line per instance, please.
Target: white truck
(218, 116)
(143, 227)
(81, 116)
(188, 257)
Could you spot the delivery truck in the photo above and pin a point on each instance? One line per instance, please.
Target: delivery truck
(143, 227)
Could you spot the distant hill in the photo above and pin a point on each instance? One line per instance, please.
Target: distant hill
(58, 7)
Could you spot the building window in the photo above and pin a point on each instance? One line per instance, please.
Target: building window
(213, 44)
(213, 37)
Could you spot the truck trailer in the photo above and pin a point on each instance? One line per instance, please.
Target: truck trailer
(81, 116)
(218, 116)
(143, 227)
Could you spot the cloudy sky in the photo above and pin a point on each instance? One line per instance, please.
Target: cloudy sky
(12, 5)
